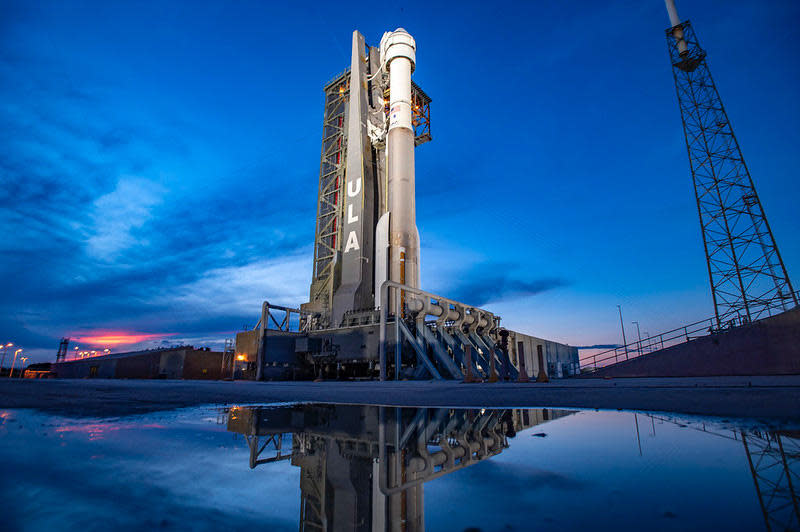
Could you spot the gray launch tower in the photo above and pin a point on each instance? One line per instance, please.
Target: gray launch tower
(351, 242)
(367, 316)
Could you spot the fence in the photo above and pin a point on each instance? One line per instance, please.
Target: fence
(660, 341)
(647, 345)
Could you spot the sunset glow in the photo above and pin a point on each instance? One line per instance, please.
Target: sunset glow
(118, 338)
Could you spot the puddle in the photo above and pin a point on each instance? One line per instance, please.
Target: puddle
(333, 467)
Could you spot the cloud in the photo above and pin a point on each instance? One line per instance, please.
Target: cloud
(117, 214)
(235, 290)
(599, 346)
(98, 243)
(490, 282)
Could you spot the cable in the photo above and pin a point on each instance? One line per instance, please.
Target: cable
(376, 73)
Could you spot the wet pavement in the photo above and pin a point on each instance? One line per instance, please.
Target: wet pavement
(774, 397)
(351, 467)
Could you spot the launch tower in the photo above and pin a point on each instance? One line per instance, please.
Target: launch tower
(374, 117)
(367, 316)
(747, 275)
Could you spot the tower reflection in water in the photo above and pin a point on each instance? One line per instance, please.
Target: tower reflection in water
(363, 467)
(773, 457)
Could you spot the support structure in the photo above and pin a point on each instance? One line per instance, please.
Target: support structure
(774, 458)
(228, 359)
(63, 345)
(747, 275)
(327, 243)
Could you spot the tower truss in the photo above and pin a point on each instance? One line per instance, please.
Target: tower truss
(747, 275)
(774, 458)
(331, 177)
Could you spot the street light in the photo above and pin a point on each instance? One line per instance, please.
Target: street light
(22, 366)
(5, 350)
(624, 341)
(639, 334)
(11, 373)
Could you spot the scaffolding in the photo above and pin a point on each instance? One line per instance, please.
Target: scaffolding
(226, 371)
(63, 345)
(420, 115)
(327, 242)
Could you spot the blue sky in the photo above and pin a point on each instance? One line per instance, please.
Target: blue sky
(159, 161)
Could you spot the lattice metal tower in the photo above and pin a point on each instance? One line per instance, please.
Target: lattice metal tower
(61, 356)
(747, 275)
(774, 460)
(331, 177)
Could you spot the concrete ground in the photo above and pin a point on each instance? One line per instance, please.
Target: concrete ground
(754, 397)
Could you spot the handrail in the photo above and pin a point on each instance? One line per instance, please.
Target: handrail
(657, 342)
(646, 345)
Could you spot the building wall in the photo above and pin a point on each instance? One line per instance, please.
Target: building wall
(182, 363)
(171, 364)
(767, 347)
(561, 359)
(202, 365)
(247, 344)
(82, 369)
(144, 366)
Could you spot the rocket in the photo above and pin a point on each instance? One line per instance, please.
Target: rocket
(366, 214)
(398, 56)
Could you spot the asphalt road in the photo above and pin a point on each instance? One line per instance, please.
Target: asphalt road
(753, 397)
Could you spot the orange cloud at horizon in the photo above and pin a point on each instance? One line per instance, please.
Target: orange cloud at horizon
(119, 338)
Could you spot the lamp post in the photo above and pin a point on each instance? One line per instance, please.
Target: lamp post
(22, 366)
(11, 373)
(5, 350)
(621, 324)
(638, 334)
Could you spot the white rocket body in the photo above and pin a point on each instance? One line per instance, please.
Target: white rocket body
(398, 55)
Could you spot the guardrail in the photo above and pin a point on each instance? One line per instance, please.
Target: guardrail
(666, 339)
(647, 345)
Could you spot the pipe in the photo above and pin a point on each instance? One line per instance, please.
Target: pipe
(419, 301)
(677, 28)
(398, 55)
